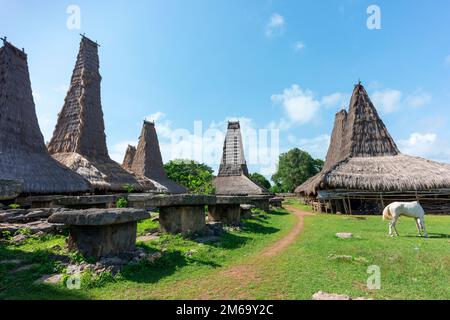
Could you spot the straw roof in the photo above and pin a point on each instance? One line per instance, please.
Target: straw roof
(23, 155)
(129, 157)
(79, 139)
(147, 163)
(233, 172)
(363, 156)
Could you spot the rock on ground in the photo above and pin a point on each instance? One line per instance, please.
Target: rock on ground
(49, 279)
(344, 235)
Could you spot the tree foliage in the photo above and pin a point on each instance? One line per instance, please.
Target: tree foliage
(260, 180)
(197, 177)
(294, 167)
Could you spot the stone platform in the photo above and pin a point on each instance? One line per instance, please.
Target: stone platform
(101, 232)
(184, 213)
(227, 210)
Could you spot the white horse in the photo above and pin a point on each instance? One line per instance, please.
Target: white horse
(409, 209)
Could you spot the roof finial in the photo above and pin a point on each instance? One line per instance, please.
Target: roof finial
(4, 40)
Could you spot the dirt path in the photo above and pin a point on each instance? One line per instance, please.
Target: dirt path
(240, 277)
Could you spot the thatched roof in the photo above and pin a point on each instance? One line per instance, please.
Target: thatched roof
(238, 185)
(233, 161)
(147, 163)
(129, 157)
(79, 139)
(363, 156)
(233, 172)
(23, 155)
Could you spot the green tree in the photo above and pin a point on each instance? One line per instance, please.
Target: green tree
(197, 177)
(260, 180)
(294, 167)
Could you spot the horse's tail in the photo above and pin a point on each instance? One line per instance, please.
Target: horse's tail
(387, 214)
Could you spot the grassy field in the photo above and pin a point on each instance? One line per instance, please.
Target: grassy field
(411, 267)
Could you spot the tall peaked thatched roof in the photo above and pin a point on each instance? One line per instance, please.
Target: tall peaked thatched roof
(148, 165)
(129, 157)
(363, 156)
(23, 155)
(233, 161)
(233, 172)
(79, 139)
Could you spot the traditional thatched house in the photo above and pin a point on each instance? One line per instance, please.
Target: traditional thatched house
(233, 172)
(79, 139)
(364, 170)
(23, 155)
(129, 157)
(147, 163)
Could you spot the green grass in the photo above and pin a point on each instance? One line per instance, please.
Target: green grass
(144, 280)
(411, 267)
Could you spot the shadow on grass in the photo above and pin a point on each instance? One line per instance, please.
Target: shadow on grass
(17, 279)
(278, 213)
(169, 263)
(255, 227)
(431, 236)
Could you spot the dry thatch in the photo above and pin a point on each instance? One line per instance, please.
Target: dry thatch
(238, 185)
(148, 166)
(233, 172)
(363, 156)
(79, 139)
(23, 155)
(129, 157)
(233, 161)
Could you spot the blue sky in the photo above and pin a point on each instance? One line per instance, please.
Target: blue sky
(285, 65)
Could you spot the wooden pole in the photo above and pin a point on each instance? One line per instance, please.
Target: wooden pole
(345, 205)
(349, 205)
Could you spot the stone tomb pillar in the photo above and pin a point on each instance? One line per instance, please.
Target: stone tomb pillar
(99, 233)
(260, 202)
(226, 210)
(180, 213)
(182, 219)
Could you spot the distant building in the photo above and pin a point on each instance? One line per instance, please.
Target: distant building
(146, 163)
(79, 139)
(233, 177)
(365, 171)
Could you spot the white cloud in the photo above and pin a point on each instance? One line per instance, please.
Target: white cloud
(418, 144)
(275, 26)
(426, 145)
(419, 99)
(387, 100)
(299, 46)
(337, 99)
(300, 105)
(155, 116)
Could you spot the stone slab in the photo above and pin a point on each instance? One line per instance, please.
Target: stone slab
(88, 200)
(231, 200)
(228, 214)
(160, 201)
(182, 219)
(99, 217)
(103, 240)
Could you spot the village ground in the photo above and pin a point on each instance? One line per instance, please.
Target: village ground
(286, 254)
